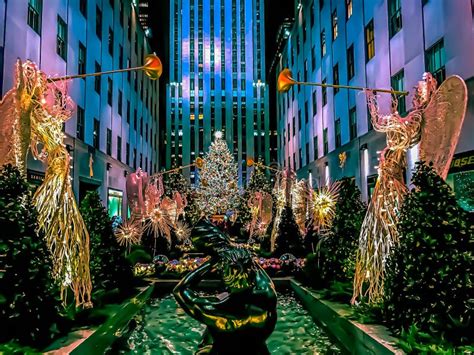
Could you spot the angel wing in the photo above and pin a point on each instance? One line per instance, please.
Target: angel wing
(442, 121)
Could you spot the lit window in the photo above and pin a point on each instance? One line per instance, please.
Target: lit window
(348, 9)
(334, 25)
(323, 43)
(369, 41)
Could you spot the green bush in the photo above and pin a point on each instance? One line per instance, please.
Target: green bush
(288, 238)
(29, 306)
(108, 265)
(429, 276)
(337, 250)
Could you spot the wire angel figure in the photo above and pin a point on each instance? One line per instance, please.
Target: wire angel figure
(435, 123)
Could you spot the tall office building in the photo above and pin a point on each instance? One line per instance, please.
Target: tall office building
(114, 127)
(144, 16)
(375, 44)
(217, 81)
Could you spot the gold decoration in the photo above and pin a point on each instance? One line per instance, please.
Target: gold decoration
(250, 162)
(323, 207)
(183, 232)
(342, 159)
(442, 122)
(129, 233)
(41, 109)
(436, 119)
(153, 67)
(300, 201)
(199, 162)
(285, 82)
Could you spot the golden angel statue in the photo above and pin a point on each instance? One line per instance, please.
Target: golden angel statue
(435, 122)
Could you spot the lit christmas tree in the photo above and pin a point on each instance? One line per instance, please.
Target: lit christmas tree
(218, 192)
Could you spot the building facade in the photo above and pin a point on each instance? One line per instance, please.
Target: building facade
(375, 44)
(217, 81)
(114, 127)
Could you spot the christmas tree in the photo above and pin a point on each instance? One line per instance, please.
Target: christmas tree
(428, 278)
(28, 305)
(218, 192)
(288, 238)
(108, 266)
(337, 250)
(175, 181)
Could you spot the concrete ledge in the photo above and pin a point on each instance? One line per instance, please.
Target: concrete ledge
(104, 336)
(356, 338)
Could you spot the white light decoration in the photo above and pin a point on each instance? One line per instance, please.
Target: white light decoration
(218, 134)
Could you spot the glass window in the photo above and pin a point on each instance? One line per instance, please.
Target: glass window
(335, 31)
(97, 79)
(348, 9)
(111, 42)
(325, 141)
(61, 39)
(96, 134)
(81, 61)
(35, 11)
(127, 154)
(83, 7)
(338, 132)
(353, 123)
(315, 103)
(369, 41)
(324, 93)
(98, 22)
(115, 201)
(80, 123)
(335, 73)
(323, 43)
(109, 141)
(435, 60)
(109, 91)
(397, 84)
(315, 147)
(119, 148)
(350, 62)
(395, 16)
(119, 103)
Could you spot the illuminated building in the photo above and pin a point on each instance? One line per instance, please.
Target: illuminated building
(217, 81)
(375, 44)
(114, 127)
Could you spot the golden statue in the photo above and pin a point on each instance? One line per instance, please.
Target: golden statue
(435, 122)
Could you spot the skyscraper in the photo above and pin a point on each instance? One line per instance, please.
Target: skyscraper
(217, 81)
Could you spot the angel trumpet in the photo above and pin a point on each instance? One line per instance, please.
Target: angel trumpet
(286, 81)
(152, 67)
